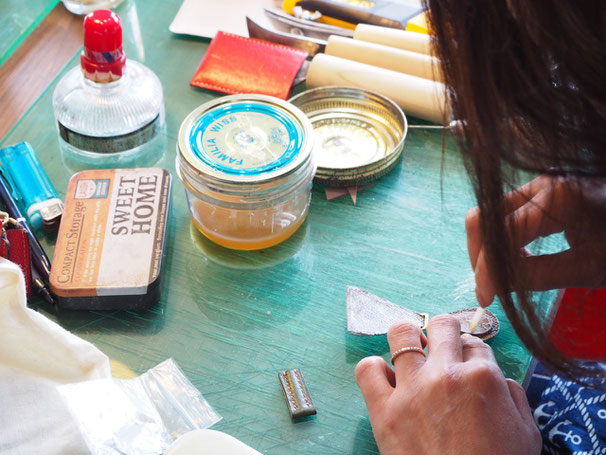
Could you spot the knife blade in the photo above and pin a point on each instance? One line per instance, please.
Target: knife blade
(289, 24)
(312, 46)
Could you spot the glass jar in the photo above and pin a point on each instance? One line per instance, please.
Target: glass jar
(247, 166)
(88, 6)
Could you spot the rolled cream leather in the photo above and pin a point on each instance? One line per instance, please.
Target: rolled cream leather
(417, 96)
(391, 58)
(401, 39)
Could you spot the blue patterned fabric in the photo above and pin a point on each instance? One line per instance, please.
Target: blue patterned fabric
(572, 418)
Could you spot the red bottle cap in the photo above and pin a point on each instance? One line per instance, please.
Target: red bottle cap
(102, 59)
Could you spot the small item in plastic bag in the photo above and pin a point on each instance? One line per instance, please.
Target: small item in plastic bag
(140, 416)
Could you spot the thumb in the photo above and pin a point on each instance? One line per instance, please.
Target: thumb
(376, 381)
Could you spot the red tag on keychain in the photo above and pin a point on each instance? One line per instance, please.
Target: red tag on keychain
(14, 246)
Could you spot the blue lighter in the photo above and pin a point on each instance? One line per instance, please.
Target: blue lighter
(34, 190)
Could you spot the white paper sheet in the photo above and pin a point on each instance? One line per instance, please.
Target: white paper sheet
(206, 17)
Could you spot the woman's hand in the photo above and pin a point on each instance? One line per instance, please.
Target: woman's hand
(545, 206)
(456, 401)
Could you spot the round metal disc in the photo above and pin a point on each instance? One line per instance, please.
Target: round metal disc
(487, 328)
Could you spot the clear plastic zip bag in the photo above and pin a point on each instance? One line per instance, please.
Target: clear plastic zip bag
(140, 416)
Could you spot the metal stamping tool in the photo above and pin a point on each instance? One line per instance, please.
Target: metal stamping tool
(296, 394)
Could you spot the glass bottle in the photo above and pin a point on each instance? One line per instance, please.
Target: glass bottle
(110, 111)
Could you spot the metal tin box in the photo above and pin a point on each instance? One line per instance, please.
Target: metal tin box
(111, 239)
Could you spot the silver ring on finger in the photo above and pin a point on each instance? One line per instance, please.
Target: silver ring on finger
(404, 350)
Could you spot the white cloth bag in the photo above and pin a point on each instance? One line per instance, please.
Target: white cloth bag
(36, 355)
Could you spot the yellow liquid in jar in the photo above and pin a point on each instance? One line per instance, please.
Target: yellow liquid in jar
(249, 229)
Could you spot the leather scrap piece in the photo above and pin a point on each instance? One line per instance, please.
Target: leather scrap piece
(370, 315)
(296, 394)
(335, 193)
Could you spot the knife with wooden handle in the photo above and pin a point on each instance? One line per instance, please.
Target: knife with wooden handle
(401, 39)
(403, 61)
(419, 97)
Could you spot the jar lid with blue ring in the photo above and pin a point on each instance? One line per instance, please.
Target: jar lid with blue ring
(245, 138)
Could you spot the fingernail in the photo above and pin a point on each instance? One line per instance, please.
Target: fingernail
(484, 298)
(480, 297)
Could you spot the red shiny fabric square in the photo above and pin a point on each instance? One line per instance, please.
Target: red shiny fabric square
(234, 64)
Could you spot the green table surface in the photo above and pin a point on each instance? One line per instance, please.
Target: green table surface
(232, 320)
(18, 18)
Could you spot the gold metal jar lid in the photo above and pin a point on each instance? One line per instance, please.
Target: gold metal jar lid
(358, 135)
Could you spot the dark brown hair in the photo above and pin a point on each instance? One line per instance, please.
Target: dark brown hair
(526, 78)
